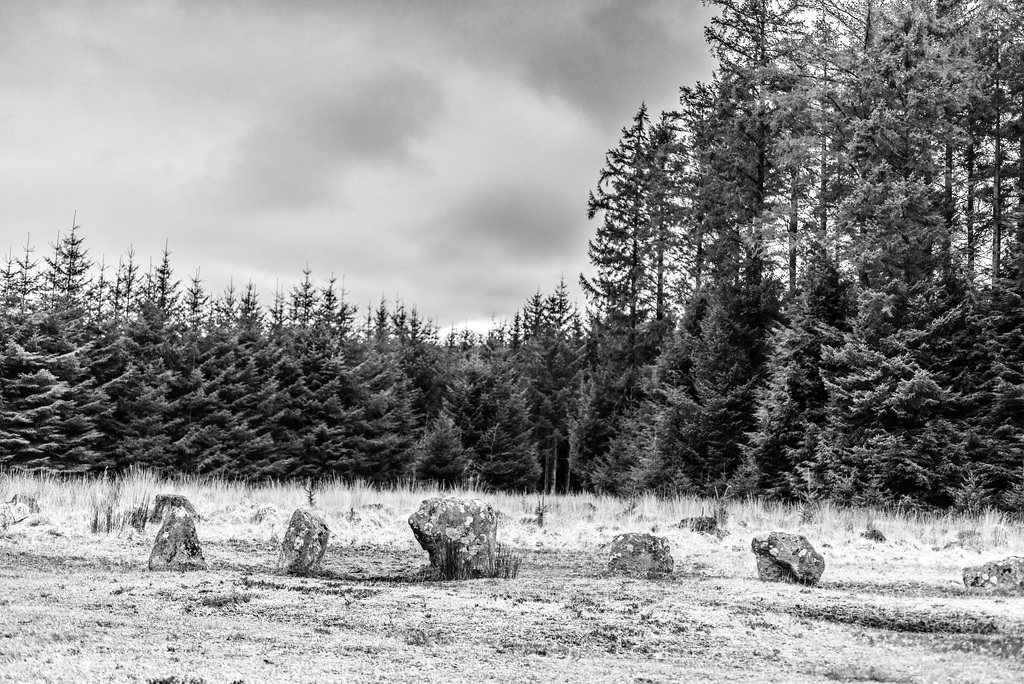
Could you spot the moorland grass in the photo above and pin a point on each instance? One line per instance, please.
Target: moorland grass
(111, 503)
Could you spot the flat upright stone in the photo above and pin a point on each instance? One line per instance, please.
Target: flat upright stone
(305, 542)
(459, 535)
(1006, 574)
(30, 501)
(164, 503)
(177, 544)
(783, 557)
(11, 514)
(638, 554)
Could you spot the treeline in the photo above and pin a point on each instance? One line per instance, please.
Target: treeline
(137, 368)
(807, 283)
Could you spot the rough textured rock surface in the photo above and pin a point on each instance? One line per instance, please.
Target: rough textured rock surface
(453, 529)
(305, 542)
(873, 535)
(703, 524)
(165, 503)
(640, 555)
(30, 501)
(1004, 574)
(783, 557)
(12, 513)
(177, 544)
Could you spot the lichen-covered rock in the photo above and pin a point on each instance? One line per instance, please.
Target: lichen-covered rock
(459, 532)
(265, 513)
(165, 503)
(873, 535)
(29, 501)
(11, 514)
(305, 542)
(1004, 574)
(640, 555)
(783, 557)
(177, 544)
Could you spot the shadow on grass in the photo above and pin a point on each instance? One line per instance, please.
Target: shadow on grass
(906, 589)
(895, 619)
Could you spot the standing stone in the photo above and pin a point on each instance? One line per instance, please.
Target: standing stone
(177, 545)
(30, 501)
(12, 513)
(165, 503)
(783, 557)
(459, 535)
(1004, 574)
(640, 555)
(305, 542)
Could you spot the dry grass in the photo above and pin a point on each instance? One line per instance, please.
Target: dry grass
(80, 605)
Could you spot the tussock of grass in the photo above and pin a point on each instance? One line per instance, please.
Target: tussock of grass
(455, 566)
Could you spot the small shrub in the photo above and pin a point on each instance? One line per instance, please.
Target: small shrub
(310, 488)
(632, 504)
(540, 513)
(973, 496)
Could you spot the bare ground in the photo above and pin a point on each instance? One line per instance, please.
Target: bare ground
(75, 607)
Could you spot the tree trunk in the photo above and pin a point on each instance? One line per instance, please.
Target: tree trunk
(1020, 180)
(793, 224)
(972, 239)
(949, 212)
(997, 200)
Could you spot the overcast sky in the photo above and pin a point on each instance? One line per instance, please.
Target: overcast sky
(438, 151)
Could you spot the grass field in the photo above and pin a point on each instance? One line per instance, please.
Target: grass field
(77, 606)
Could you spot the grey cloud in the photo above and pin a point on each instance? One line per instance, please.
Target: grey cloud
(298, 156)
(604, 56)
(258, 136)
(505, 222)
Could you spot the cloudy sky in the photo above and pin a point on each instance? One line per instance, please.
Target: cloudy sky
(440, 151)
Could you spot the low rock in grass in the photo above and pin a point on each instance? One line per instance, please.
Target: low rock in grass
(30, 501)
(873, 535)
(640, 555)
(266, 512)
(12, 514)
(305, 542)
(703, 524)
(177, 544)
(459, 535)
(165, 503)
(1007, 574)
(783, 557)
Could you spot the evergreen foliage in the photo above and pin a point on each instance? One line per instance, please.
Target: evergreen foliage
(808, 281)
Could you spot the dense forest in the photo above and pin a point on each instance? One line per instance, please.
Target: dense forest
(808, 283)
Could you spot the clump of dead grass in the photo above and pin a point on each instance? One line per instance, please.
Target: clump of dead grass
(454, 564)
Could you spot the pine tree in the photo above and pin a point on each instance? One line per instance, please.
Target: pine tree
(440, 456)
